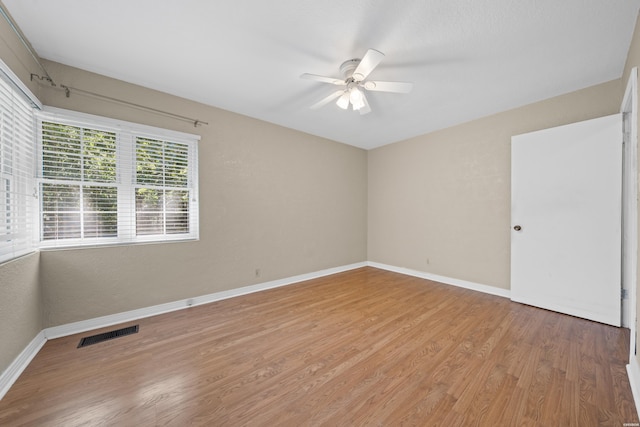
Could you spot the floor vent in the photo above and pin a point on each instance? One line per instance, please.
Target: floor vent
(94, 339)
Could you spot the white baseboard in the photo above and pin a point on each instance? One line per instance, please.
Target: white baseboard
(13, 371)
(443, 279)
(633, 371)
(128, 316)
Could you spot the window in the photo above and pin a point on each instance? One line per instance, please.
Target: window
(105, 181)
(162, 194)
(17, 185)
(79, 192)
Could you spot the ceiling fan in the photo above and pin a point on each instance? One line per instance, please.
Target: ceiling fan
(355, 72)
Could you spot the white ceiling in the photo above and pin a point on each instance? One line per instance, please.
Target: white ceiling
(466, 58)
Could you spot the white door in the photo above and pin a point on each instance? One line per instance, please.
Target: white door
(566, 219)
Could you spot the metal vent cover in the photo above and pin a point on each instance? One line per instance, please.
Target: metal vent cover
(105, 336)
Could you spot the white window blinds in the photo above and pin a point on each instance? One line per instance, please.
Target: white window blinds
(105, 181)
(17, 184)
(79, 192)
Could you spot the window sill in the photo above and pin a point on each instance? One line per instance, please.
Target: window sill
(80, 246)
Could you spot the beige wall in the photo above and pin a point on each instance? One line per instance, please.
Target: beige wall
(440, 203)
(271, 198)
(20, 306)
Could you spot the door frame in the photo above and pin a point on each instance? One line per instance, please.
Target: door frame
(629, 108)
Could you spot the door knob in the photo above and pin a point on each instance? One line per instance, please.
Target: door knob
(517, 228)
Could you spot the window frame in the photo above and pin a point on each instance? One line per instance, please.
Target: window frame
(126, 134)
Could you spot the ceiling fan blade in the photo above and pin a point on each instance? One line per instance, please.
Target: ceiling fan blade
(323, 79)
(366, 109)
(326, 100)
(400, 87)
(370, 61)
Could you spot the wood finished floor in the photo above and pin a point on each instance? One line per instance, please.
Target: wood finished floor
(364, 347)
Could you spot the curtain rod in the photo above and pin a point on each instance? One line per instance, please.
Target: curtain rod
(68, 89)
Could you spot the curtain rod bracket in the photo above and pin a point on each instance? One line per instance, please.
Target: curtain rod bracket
(43, 78)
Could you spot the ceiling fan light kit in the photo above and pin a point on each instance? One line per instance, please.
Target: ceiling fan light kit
(355, 96)
(355, 72)
(343, 101)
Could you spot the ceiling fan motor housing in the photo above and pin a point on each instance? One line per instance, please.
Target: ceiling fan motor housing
(348, 67)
